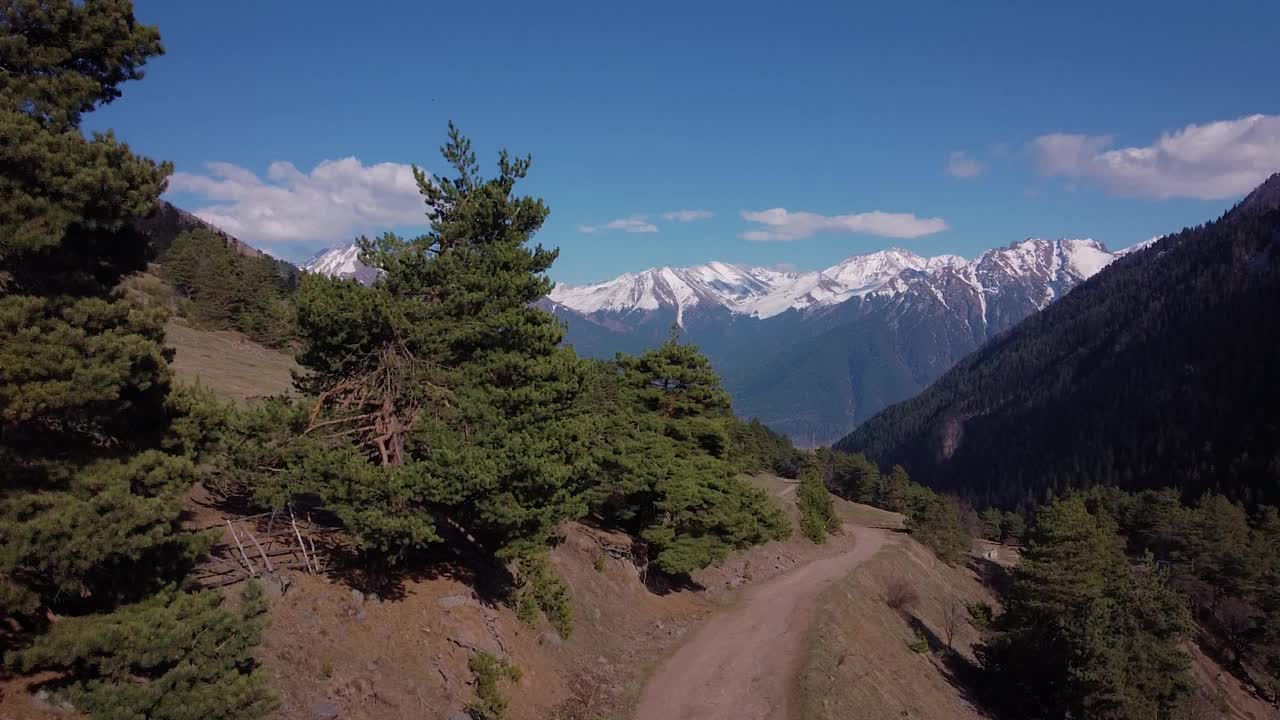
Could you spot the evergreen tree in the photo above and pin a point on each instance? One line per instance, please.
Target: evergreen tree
(95, 452)
(1082, 634)
(172, 656)
(757, 449)
(440, 392)
(817, 510)
(223, 289)
(1218, 546)
(83, 374)
(852, 475)
(1012, 527)
(934, 521)
(664, 464)
(993, 524)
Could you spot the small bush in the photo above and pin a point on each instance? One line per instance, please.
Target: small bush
(599, 564)
(541, 591)
(901, 594)
(488, 669)
(980, 615)
(918, 643)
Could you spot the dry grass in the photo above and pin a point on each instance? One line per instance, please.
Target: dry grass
(848, 512)
(901, 595)
(859, 657)
(867, 516)
(228, 363)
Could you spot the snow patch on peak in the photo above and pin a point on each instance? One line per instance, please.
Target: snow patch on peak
(755, 291)
(341, 262)
(1139, 246)
(1086, 257)
(863, 274)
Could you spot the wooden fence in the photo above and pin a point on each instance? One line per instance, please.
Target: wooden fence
(264, 544)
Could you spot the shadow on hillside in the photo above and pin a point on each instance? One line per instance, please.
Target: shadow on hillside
(458, 556)
(991, 574)
(637, 554)
(959, 671)
(1216, 649)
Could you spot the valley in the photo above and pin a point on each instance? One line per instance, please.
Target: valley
(882, 466)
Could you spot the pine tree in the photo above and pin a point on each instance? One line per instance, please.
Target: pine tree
(817, 510)
(174, 655)
(1082, 634)
(935, 522)
(440, 392)
(95, 451)
(83, 374)
(663, 461)
(223, 289)
(1012, 527)
(993, 524)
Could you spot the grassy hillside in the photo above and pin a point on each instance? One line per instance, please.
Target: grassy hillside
(859, 655)
(228, 363)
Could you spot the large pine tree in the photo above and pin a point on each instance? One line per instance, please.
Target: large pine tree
(92, 464)
(1084, 634)
(441, 394)
(663, 461)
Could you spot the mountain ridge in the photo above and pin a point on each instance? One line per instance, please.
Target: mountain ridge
(1157, 371)
(814, 353)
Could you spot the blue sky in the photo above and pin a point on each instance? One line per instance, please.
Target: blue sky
(291, 122)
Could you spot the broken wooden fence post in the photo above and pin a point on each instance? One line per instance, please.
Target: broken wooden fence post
(301, 546)
(265, 560)
(253, 572)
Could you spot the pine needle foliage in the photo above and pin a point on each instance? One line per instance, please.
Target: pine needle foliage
(95, 449)
(439, 394)
(173, 656)
(665, 469)
(817, 510)
(1084, 634)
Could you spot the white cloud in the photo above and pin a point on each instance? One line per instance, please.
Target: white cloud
(687, 215)
(633, 224)
(963, 165)
(337, 200)
(1211, 161)
(783, 225)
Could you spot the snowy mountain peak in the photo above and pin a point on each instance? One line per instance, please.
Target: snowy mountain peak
(343, 262)
(755, 291)
(864, 273)
(1052, 266)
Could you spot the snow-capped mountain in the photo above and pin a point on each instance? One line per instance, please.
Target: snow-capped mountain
(758, 292)
(342, 262)
(1052, 266)
(866, 332)
(814, 353)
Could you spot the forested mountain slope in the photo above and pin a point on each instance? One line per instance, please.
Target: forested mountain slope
(1161, 369)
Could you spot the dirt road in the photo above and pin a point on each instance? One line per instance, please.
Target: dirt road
(743, 664)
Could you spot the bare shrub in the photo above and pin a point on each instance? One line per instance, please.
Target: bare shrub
(901, 594)
(953, 614)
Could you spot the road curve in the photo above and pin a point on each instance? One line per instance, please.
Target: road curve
(744, 662)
